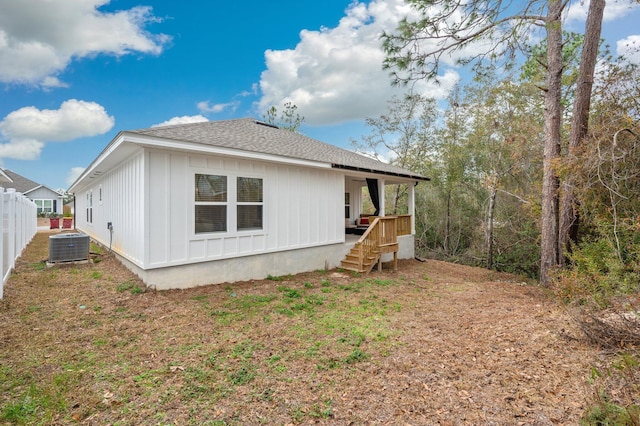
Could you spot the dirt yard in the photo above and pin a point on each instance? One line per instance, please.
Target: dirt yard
(433, 344)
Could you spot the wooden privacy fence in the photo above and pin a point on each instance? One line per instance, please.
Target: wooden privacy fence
(18, 225)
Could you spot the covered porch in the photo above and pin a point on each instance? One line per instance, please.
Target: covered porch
(372, 235)
(365, 197)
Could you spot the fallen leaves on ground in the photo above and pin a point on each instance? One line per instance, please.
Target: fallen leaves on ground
(434, 343)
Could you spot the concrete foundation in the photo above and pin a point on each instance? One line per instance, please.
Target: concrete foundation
(255, 267)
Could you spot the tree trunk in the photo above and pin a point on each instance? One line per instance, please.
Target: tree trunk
(447, 225)
(569, 217)
(492, 206)
(396, 200)
(552, 123)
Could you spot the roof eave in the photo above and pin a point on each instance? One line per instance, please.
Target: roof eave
(186, 146)
(117, 140)
(380, 172)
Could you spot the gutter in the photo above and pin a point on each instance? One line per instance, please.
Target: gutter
(378, 172)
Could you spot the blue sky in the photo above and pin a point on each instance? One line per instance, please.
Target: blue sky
(73, 73)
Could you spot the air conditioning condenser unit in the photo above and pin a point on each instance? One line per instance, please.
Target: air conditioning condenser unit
(70, 247)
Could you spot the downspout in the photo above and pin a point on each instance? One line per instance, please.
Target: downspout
(411, 207)
(381, 198)
(74, 212)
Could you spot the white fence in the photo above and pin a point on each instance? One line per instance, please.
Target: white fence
(18, 225)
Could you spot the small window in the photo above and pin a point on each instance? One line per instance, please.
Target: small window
(347, 205)
(45, 206)
(249, 208)
(211, 203)
(90, 206)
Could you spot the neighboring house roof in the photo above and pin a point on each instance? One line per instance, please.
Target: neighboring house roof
(4, 178)
(247, 134)
(22, 184)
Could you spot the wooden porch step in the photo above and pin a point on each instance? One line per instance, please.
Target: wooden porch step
(351, 258)
(375, 243)
(365, 262)
(354, 258)
(350, 266)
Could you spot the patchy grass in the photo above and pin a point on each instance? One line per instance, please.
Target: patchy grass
(432, 343)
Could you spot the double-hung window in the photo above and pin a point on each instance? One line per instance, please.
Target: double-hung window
(249, 207)
(211, 203)
(44, 206)
(228, 203)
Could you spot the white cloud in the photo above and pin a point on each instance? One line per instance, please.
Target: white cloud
(24, 149)
(335, 75)
(616, 9)
(39, 38)
(577, 12)
(74, 174)
(26, 130)
(51, 82)
(629, 48)
(185, 119)
(205, 106)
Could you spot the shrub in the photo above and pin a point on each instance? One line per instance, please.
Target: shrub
(596, 273)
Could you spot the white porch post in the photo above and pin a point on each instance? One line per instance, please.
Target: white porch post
(381, 196)
(411, 201)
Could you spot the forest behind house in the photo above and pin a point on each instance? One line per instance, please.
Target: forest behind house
(513, 187)
(534, 162)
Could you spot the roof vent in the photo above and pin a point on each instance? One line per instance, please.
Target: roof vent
(263, 123)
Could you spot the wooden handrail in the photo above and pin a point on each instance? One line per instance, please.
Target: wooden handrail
(368, 243)
(382, 232)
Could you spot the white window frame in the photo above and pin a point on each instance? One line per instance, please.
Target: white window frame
(347, 204)
(41, 208)
(210, 203)
(90, 207)
(250, 203)
(231, 204)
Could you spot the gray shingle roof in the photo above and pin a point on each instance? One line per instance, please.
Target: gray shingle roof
(247, 134)
(23, 185)
(20, 183)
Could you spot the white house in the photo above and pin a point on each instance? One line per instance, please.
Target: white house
(225, 201)
(47, 200)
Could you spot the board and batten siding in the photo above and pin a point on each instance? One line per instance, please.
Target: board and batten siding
(117, 197)
(302, 207)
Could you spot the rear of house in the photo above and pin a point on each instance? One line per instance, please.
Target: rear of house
(225, 201)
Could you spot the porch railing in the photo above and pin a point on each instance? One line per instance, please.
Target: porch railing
(403, 224)
(380, 237)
